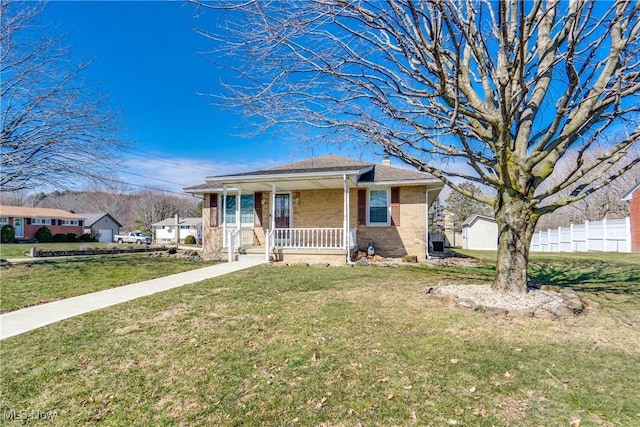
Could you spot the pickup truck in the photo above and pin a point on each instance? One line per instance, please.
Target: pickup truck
(132, 237)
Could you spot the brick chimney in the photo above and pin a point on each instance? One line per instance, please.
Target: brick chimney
(386, 160)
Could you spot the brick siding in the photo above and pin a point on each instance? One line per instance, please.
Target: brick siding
(324, 208)
(30, 230)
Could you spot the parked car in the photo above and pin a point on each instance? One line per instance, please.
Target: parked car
(132, 237)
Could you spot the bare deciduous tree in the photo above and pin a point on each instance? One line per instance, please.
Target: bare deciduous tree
(509, 88)
(56, 127)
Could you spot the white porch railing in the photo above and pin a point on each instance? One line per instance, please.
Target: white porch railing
(307, 238)
(243, 237)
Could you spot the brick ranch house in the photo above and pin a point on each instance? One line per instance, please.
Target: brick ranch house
(320, 209)
(633, 197)
(27, 221)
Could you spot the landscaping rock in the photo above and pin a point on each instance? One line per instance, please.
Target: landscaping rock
(575, 305)
(466, 302)
(560, 310)
(535, 303)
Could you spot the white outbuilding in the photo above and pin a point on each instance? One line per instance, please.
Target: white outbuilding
(480, 232)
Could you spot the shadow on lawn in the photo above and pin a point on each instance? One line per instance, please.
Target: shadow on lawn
(592, 277)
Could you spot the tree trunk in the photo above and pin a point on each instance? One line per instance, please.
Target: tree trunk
(516, 225)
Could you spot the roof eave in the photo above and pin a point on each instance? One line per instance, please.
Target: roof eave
(403, 183)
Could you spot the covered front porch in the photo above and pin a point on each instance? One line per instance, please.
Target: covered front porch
(295, 220)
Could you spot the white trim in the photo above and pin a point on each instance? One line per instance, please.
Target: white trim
(345, 207)
(379, 224)
(426, 224)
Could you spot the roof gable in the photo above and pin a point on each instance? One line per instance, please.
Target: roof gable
(93, 217)
(475, 218)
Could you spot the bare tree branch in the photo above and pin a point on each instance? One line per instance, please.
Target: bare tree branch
(56, 127)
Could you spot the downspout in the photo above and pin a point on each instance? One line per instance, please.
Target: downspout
(427, 225)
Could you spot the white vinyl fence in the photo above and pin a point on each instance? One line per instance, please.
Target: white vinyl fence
(613, 235)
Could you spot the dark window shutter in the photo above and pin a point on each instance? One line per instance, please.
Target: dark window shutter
(28, 220)
(81, 223)
(213, 205)
(395, 206)
(59, 222)
(257, 209)
(362, 206)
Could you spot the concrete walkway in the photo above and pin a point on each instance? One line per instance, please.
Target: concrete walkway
(21, 321)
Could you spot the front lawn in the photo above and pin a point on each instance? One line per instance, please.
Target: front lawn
(331, 346)
(21, 250)
(23, 285)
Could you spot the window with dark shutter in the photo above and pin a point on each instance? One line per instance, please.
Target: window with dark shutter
(395, 206)
(362, 206)
(257, 209)
(213, 207)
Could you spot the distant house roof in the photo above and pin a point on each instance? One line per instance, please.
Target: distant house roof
(627, 197)
(28, 212)
(196, 222)
(471, 220)
(93, 217)
(318, 172)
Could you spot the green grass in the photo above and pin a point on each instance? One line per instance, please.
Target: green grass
(593, 272)
(329, 346)
(23, 285)
(21, 250)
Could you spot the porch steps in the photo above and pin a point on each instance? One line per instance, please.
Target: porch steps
(253, 250)
(259, 258)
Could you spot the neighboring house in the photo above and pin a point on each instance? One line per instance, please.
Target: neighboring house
(27, 221)
(633, 197)
(102, 225)
(319, 209)
(165, 230)
(480, 232)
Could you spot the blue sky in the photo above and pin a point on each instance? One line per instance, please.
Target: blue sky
(144, 55)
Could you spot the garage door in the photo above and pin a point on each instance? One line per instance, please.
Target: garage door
(106, 235)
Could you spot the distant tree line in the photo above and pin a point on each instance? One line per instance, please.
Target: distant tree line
(135, 211)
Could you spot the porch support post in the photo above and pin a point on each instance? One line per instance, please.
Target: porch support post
(273, 206)
(224, 213)
(238, 197)
(427, 225)
(346, 215)
(238, 225)
(224, 222)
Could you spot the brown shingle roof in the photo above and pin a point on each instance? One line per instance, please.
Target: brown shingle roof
(382, 173)
(327, 163)
(368, 173)
(27, 212)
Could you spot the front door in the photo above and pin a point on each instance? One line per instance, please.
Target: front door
(282, 209)
(18, 226)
